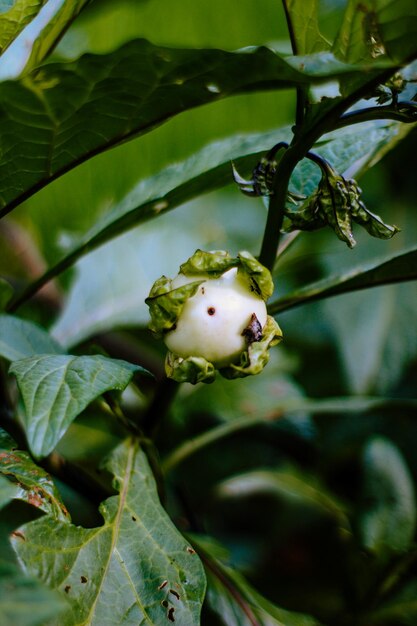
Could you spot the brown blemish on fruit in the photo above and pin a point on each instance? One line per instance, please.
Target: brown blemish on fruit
(67, 588)
(253, 331)
(84, 579)
(163, 584)
(211, 310)
(190, 550)
(18, 535)
(175, 593)
(170, 614)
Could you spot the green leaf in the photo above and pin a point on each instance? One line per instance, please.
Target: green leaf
(25, 601)
(20, 339)
(7, 490)
(5, 293)
(57, 388)
(388, 522)
(206, 170)
(305, 26)
(73, 111)
(13, 18)
(29, 482)
(48, 21)
(165, 303)
(193, 369)
(392, 268)
(233, 599)
(377, 29)
(134, 569)
(287, 484)
(70, 112)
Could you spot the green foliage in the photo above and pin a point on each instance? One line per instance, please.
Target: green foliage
(282, 499)
(25, 601)
(136, 567)
(57, 388)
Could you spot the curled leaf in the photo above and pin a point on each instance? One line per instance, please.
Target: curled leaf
(193, 369)
(209, 264)
(259, 276)
(165, 304)
(371, 222)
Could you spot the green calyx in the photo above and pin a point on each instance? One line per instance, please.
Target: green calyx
(252, 361)
(166, 302)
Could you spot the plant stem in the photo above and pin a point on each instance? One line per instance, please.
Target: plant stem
(159, 406)
(300, 91)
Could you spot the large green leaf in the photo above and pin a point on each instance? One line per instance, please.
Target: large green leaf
(57, 388)
(393, 268)
(13, 18)
(388, 521)
(20, 339)
(30, 483)
(304, 21)
(48, 21)
(134, 569)
(234, 601)
(62, 114)
(375, 28)
(95, 290)
(25, 601)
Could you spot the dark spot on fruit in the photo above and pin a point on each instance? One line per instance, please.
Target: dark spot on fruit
(211, 310)
(170, 614)
(253, 331)
(175, 593)
(203, 291)
(67, 588)
(163, 584)
(190, 550)
(133, 518)
(83, 579)
(164, 603)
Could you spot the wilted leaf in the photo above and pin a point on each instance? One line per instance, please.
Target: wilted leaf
(57, 388)
(373, 29)
(388, 522)
(25, 601)
(20, 338)
(29, 482)
(134, 569)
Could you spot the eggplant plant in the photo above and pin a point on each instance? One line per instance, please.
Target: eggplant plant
(178, 195)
